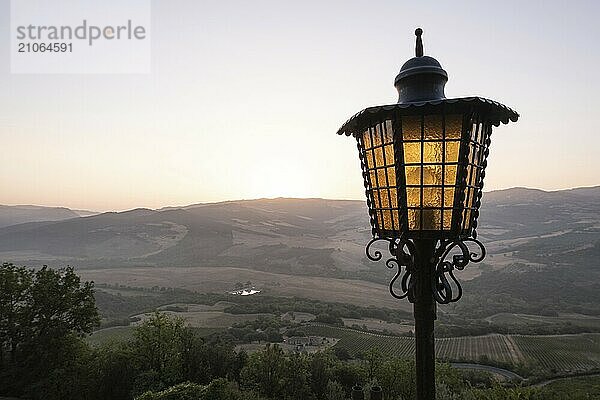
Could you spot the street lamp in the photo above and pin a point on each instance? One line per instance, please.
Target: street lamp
(423, 162)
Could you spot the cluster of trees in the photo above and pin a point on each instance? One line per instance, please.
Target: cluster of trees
(330, 319)
(263, 329)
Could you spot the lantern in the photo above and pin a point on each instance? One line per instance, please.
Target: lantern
(423, 162)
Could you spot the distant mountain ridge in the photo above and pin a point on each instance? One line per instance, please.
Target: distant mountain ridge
(296, 236)
(12, 215)
(21, 214)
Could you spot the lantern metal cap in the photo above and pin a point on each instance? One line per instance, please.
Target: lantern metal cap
(495, 112)
(421, 78)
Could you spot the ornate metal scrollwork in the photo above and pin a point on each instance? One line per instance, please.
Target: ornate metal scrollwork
(404, 254)
(444, 269)
(448, 256)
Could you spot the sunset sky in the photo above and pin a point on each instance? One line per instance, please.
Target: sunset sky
(244, 99)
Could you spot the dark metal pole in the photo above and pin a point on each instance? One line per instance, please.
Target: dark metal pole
(425, 315)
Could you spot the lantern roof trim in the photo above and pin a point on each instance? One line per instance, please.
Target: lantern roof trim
(497, 112)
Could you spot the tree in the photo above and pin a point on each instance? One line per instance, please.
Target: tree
(373, 359)
(158, 345)
(335, 391)
(297, 377)
(397, 378)
(341, 353)
(60, 304)
(15, 284)
(182, 391)
(273, 335)
(348, 374)
(265, 372)
(320, 373)
(43, 315)
(220, 358)
(116, 369)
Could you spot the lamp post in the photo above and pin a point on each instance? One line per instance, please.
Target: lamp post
(423, 163)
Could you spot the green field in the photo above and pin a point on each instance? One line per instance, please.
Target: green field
(553, 354)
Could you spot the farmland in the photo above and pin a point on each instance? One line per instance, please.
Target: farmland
(562, 353)
(552, 354)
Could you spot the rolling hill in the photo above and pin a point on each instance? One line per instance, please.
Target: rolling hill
(13, 215)
(279, 234)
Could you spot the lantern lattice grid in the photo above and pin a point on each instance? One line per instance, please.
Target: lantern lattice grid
(424, 164)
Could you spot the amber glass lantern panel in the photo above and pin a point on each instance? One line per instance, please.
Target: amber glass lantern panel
(430, 148)
(477, 142)
(380, 166)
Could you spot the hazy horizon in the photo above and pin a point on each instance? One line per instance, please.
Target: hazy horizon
(259, 198)
(244, 100)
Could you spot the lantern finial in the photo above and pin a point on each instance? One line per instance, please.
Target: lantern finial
(421, 78)
(419, 45)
